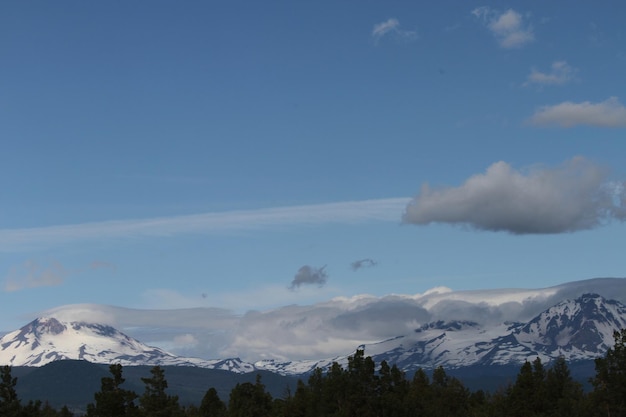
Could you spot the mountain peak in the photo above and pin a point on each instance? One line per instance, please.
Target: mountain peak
(44, 325)
(48, 339)
(575, 328)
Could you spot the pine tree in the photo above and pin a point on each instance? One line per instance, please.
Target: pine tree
(155, 402)
(112, 400)
(419, 396)
(610, 381)
(212, 405)
(250, 400)
(9, 402)
(449, 396)
(524, 396)
(392, 389)
(563, 394)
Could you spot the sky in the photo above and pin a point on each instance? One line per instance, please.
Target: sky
(247, 156)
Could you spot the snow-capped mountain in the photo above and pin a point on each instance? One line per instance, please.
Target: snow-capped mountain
(47, 339)
(577, 329)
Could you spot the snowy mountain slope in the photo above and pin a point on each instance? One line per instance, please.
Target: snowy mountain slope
(580, 329)
(326, 329)
(577, 329)
(47, 339)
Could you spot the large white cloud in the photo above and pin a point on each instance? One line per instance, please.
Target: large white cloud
(608, 113)
(574, 196)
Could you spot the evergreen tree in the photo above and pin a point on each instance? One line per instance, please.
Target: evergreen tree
(65, 412)
(334, 393)
(448, 395)
(310, 399)
(563, 395)
(212, 405)
(9, 402)
(526, 397)
(112, 400)
(155, 402)
(250, 400)
(362, 384)
(609, 384)
(419, 395)
(301, 404)
(392, 389)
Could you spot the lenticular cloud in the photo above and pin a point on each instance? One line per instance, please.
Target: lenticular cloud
(574, 196)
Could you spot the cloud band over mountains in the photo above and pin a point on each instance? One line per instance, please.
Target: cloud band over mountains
(325, 329)
(574, 196)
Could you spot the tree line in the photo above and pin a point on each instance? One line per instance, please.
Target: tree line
(363, 389)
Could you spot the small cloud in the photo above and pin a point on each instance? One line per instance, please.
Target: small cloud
(568, 198)
(560, 73)
(308, 275)
(185, 340)
(102, 265)
(507, 27)
(32, 275)
(609, 113)
(363, 263)
(392, 27)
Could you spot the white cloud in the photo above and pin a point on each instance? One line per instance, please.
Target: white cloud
(560, 73)
(392, 27)
(350, 212)
(542, 200)
(508, 27)
(608, 113)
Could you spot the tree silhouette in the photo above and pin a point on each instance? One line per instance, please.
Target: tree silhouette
(9, 403)
(112, 400)
(155, 402)
(610, 381)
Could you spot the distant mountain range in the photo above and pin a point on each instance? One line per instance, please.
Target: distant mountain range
(577, 329)
(47, 339)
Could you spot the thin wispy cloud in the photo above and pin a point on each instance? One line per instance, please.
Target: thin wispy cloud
(32, 274)
(608, 113)
(509, 27)
(102, 265)
(571, 197)
(391, 27)
(560, 73)
(351, 212)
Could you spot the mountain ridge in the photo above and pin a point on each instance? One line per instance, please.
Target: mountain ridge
(577, 329)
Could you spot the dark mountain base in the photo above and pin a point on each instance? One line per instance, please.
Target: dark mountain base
(73, 383)
(496, 377)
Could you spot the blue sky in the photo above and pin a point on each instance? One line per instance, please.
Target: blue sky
(245, 155)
